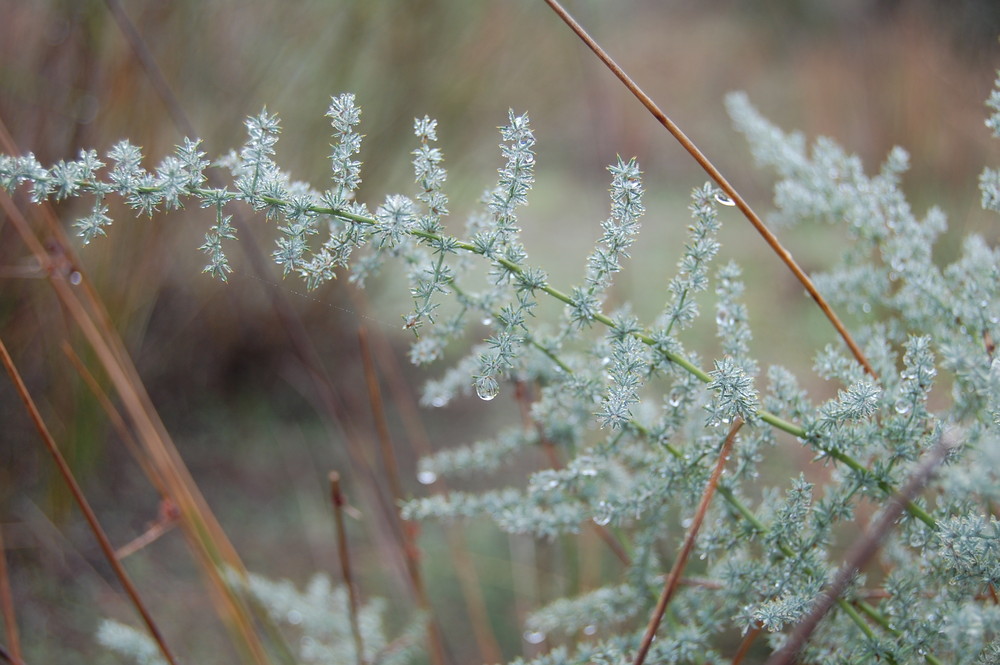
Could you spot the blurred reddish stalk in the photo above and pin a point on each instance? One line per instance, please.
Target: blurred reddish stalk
(337, 499)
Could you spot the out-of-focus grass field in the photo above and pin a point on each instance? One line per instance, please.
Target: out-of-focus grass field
(217, 358)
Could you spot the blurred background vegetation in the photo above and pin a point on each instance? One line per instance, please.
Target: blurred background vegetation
(220, 359)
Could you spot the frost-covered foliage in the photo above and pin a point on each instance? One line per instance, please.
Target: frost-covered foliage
(636, 421)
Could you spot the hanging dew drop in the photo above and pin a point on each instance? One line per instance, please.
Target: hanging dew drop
(427, 477)
(902, 406)
(589, 629)
(534, 636)
(487, 321)
(487, 388)
(439, 401)
(722, 199)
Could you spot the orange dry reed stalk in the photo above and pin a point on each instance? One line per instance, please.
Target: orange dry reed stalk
(720, 180)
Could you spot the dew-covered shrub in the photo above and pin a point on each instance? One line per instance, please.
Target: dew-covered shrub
(638, 420)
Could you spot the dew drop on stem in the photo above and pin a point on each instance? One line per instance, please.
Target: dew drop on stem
(426, 477)
(723, 199)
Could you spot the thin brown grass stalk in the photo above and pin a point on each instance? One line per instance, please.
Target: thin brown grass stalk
(337, 500)
(7, 605)
(407, 531)
(674, 577)
(84, 505)
(720, 180)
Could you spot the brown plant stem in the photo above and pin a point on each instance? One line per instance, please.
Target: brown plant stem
(745, 645)
(674, 577)
(337, 500)
(719, 179)
(7, 605)
(81, 500)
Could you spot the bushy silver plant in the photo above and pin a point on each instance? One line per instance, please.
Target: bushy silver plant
(637, 416)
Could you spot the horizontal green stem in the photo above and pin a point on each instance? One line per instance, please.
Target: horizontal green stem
(768, 417)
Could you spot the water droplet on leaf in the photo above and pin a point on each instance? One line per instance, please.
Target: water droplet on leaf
(589, 629)
(427, 477)
(902, 406)
(487, 388)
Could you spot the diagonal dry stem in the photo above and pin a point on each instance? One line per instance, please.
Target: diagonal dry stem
(84, 505)
(863, 550)
(674, 577)
(719, 179)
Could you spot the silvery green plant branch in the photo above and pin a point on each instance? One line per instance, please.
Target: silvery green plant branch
(634, 413)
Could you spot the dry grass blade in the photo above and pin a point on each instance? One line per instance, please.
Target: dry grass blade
(719, 179)
(674, 577)
(81, 500)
